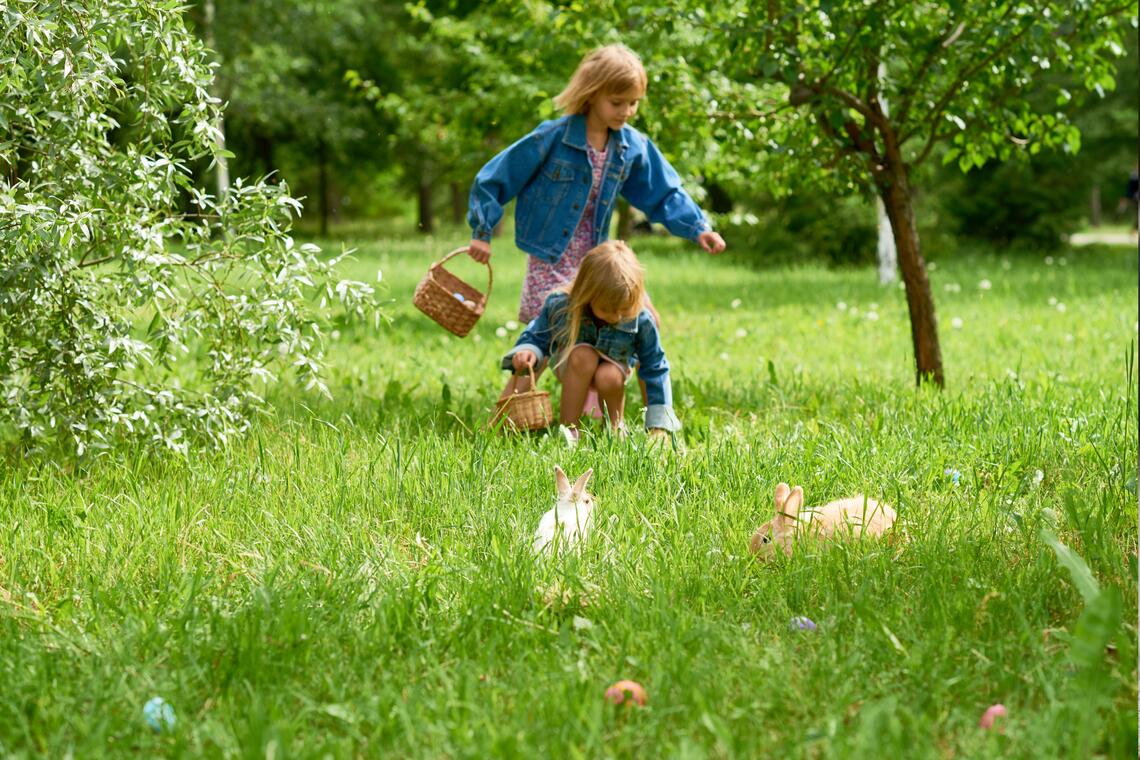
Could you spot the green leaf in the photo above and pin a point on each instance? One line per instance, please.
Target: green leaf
(1095, 628)
(1082, 576)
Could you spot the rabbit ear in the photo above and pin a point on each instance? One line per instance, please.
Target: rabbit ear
(782, 491)
(580, 483)
(562, 482)
(794, 502)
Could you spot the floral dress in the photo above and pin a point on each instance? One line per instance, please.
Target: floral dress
(542, 277)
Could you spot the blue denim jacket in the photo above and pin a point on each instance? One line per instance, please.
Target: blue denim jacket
(626, 342)
(550, 173)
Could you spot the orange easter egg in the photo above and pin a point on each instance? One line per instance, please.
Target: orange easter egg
(627, 690)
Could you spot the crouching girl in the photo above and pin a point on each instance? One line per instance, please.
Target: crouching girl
(593, 333)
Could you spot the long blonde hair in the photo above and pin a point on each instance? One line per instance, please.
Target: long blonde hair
(605, 71)
(611, 277)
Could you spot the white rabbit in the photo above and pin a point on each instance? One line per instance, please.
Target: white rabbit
(855, 516)
(571, 518)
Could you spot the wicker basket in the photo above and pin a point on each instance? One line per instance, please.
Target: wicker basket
(438, 296)
(524, 411)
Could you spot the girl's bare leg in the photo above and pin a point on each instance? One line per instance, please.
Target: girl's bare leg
(579, 371)
(610, 383)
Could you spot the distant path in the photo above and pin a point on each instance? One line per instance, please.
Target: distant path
(1105, 238)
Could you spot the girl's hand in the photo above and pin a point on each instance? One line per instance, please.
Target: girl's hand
(480, 250)
(522, 360)
(711, 241)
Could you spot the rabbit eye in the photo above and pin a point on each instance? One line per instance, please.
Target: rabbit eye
(766, 540)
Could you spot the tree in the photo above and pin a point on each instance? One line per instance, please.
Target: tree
(957, 75)
(122, 318)
(282, 78)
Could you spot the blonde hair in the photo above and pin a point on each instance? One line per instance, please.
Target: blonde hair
(610, 277)
(605, 71)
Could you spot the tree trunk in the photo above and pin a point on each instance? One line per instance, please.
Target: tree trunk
(323, 184)
(265, 153)
(222, 174)
(427, 217)
(458, 204)
(1094, 206)
(625, 220)
(894, 189)
(888, 256)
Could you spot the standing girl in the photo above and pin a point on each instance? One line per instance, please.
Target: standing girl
(593, 332)
(568, 172)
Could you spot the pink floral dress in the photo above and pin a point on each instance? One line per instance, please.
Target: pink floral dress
(542, 278)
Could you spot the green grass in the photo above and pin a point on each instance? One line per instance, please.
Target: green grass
(355, 578)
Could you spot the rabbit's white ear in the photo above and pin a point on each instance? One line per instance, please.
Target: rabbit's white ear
(782, 491)
(794, 502)
(562, 482)
(580, 483)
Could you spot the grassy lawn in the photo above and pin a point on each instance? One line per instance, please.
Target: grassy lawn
(355, 579)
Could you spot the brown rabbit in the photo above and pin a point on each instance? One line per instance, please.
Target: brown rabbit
(854, 516)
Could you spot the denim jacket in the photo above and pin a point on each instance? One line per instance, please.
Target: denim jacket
(550, 173)
(626, 342)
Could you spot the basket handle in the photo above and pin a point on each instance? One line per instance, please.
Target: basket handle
(464, 249)
(533, 382)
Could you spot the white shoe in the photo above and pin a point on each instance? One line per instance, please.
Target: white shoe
(570, 435)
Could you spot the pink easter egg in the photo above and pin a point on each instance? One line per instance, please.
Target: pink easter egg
(992, 713)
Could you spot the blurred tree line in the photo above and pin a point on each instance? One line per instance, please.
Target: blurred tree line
(385, 110)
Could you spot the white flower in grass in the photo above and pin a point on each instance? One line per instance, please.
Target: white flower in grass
(1006, 264)
(956, 323)
(931, 266)
(953, 474)
(736, 303)
(501, 332)
(1038, 476)
(477, 338)
(952, 287)
(512, 325)
(724, 357)
(1069, 338)
(1048, 261)
(335, 335)
(741, 332)
(871, 315)
(1052, 300)
(842, 306)
(1060, 306)
(379, 276)
(985, 285)
(1063, 261)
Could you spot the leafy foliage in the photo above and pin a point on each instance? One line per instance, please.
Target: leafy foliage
(123, 312)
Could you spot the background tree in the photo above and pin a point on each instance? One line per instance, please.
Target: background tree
(957, 74)
(120, 316)
(289, 109)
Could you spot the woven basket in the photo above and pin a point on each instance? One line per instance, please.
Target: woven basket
(436, 296)
(524, 411)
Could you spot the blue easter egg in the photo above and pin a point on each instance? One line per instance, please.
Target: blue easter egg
(158, 713)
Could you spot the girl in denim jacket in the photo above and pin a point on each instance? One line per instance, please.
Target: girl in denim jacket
(592, 334)
(567, 174)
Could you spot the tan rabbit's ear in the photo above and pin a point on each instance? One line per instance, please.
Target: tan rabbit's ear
(580, 483)
(794, 503)
(562, 482)
(782, 491)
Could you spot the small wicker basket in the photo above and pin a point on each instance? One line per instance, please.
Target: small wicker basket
(450, 301)
(530, 410)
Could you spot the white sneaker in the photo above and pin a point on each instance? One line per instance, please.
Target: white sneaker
(570, 435)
